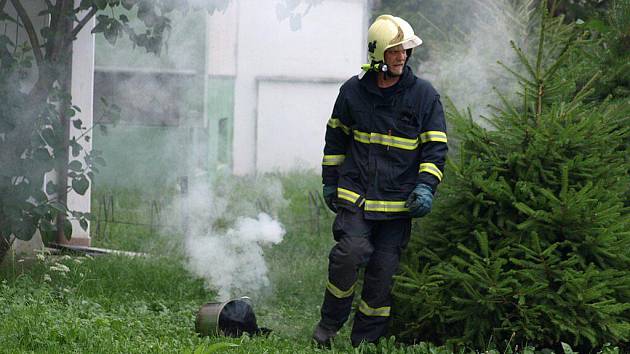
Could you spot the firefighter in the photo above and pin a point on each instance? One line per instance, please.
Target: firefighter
(383, 159)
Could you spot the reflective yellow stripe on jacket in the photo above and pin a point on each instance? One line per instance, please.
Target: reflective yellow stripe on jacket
(387, 140)
(336, 123)
(432, 169)
(387, 206)
(333, 160)
(433, 135)
(348, 195)
(370, 311)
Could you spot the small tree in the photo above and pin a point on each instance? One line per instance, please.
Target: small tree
(528, 243)
(35, 122)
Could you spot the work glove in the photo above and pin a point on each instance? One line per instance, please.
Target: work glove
(330, 194)
(420, 201)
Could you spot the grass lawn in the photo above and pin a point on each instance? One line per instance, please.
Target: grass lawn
(117, 304)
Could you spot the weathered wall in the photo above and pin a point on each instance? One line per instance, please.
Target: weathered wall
(328, 45)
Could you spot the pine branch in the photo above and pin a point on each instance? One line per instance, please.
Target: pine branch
(525, 105)
(559, 61)
(565, 183)
(523, 58)
(541, 39)
(30, 30)
(539, 59)
(575, 102)
(519, 76)
(505, 102)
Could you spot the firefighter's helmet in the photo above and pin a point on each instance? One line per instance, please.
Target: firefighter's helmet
(386, 32)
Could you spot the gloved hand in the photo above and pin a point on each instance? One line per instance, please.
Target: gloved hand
(330, 194)
(420, 201)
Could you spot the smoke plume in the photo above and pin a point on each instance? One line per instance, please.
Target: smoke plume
(228, 228)
(464, 67)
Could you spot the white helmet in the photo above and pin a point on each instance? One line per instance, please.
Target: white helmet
(386, 32)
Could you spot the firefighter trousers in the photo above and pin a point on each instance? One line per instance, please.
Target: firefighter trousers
(375, 246)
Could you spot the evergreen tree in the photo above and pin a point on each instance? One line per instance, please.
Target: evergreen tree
(529, 241)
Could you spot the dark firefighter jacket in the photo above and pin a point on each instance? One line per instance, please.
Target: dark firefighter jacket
(378, 148)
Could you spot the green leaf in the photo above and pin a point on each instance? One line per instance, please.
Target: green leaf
(567, 348)
(85, 4)
(80, 184)
(75, 165)
(48, 230)
(101, 25)
(75, 147)
(49, 135)
(127, 4)
(41, 155)
(51, 188)
(83, 223)
(69, 112)
(67, 228)
(77, 123)
(112, 31)
(58, 206)
(100, 4)
(25, 228)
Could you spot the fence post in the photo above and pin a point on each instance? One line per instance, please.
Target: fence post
(182, 182)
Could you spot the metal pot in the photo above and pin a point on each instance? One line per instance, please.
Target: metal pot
(229, 318)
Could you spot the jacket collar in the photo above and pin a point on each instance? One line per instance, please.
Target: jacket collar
(368, 81)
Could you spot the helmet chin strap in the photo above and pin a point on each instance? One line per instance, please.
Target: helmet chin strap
(374, 66)
(379, 67)
(387, 74)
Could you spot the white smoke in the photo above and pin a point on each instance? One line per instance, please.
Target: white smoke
(229, 227)
(465, 68)
(233, 261)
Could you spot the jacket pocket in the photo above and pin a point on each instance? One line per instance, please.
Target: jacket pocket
(396, 177)
(407, 123)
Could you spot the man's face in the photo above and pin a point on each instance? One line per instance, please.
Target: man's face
(395, 58)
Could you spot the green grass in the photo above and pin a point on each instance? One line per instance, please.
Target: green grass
(116, 304)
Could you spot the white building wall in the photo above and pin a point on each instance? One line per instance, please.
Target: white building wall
(296, 140)
(221, 32)
(328, 47)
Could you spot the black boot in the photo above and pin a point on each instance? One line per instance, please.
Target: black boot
(323, 336)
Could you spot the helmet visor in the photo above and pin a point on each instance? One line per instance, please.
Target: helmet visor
(412, 42)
